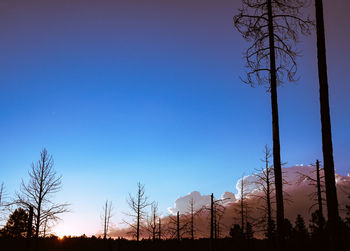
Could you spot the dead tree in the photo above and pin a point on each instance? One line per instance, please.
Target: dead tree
(152, 221)
(315, 179)
(137, 205)
(159, 228)
(176, 228)
(264, 183)
(219, 211)
(316, 195)
(216, 214)
(192, 215)
(327, 145)
(211, 216)
(38, 192)
(106, 217)
(243, 212)
(273, 26)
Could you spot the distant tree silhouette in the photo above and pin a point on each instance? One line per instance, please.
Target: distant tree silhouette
(287, 229)
(249, 231)
(219, 211)
(273, 27)
(38, 192)
(318, 183)
(264, 182)
(236, 232)
(300, 228)
(106, 217)
(191, 218)
(16, 226)
(152, 223)
(327, 145)
(216, 213)
(317, 224)
(138, 206)
(211, 216)
(318, 221)
(176, 228)
(159, 228)
(243, 205)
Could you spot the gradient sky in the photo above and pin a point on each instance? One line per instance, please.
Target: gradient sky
(133, 90)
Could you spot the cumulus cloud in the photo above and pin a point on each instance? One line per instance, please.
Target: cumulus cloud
(182, 204)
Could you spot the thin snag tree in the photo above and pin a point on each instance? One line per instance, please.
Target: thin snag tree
(273, 27)
(38, 193)
(264, 182)
(318, 183)
(138, 207)
(106, 217)
(152, 221)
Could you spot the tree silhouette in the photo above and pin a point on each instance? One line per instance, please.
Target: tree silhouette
(152, 221)
(264, 182)
(317, 224)
(106, 217)
(273, 26)
(138, 205)
(16, 226)
(327, 145)
(38, 192)
(300, 228)
(318, 220)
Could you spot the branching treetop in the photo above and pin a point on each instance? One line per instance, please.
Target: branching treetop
(288, 21)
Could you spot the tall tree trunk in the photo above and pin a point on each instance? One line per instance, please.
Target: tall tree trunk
(327, 147)
(268, 200)
(159, 229)
(138, 219)
(211, 216)
(275, 127)
(242, 206)
(192, 220)
(178, 225)
(319, 192)
(30, 223)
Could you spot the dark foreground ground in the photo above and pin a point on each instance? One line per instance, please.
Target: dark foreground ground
(89, 244)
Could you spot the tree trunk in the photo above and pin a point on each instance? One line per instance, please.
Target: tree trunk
(159, 229)
(268, 200)
(178, 225)
(242, 206)
(275, 127)
(30, 223)
(211, 216)
(327, 147)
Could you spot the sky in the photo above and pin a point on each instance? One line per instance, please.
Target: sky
(121, 91)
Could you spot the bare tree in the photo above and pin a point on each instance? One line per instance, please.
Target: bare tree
(327, 145)
(315, 180)
(243, 205)
(192, 213)
(39, 191)
(264, 182)
(177, 226)
(152, 221)
(107, 214)
(273, 26)
(159, 228)
(138, 205)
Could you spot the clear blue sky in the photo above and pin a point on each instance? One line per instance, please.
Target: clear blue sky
(128, 91)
